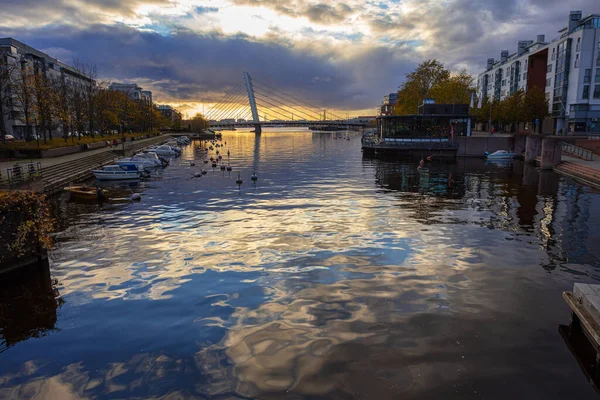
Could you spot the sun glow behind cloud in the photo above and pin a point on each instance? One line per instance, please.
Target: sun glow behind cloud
(359, 50)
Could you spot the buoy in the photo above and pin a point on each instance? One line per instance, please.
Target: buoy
(225, 142)
(229, 168)
(136, 197)
(197, 174)
(254, 177)
(222, 168)
(220, 157)
(203, 172)
(212, 158)
(217, 152)
(239, 180)
(214, 165)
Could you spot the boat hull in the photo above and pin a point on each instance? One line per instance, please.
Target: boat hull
(115, 176)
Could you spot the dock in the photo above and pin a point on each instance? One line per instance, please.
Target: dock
(584, 302)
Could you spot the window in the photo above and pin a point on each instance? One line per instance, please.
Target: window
(549, 67)
(597, 77)
(597, 92)
(525, 76)
(548, 82)
(587, 77)
(504, 82)
(578, 44)
(577, 61)
(586, 92)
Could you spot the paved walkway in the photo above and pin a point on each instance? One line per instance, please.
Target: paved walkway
(48, 162)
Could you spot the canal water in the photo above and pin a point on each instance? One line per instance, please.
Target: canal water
(335, 276)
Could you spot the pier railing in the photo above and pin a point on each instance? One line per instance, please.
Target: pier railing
(20, 173)
(578, 152)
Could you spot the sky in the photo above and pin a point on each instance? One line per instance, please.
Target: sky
(341, 56)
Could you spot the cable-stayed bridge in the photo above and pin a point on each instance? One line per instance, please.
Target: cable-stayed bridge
(256, 104)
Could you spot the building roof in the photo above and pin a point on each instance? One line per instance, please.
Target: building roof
(9, 41)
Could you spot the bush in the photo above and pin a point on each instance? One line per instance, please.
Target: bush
(25, 224)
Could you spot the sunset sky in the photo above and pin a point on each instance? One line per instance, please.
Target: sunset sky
(344, 56)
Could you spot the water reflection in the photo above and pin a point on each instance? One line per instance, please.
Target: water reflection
(28, 305)
(336, 276)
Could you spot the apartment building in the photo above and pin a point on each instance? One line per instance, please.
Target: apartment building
(17, 53)
(133, 91)
(567, 69)
(389, 101)
(170, 113)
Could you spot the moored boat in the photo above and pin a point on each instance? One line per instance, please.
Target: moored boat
(500, 155)
(117, 172)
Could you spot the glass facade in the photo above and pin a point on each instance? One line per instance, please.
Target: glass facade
(561, 77)
(423, 126)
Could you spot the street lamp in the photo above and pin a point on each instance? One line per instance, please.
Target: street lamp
(36, 133)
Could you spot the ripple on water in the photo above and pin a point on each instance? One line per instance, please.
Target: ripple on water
(334, 276)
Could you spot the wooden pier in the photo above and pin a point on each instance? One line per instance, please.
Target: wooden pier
(584, 301)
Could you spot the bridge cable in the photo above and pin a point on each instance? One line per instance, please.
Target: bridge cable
(273, 112)
(232, 104)
(216, 107)
(309, 112)
(295, 111)
(210, 110)
(225, 107)
(302, 101)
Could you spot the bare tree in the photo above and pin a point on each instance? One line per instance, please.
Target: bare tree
(90, 91)
(23, 91)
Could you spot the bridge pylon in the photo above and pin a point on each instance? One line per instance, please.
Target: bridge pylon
(252, 102)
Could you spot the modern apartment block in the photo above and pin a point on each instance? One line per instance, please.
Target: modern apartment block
(133, 91)
(567, 69)
(23, 56)
(169, 112)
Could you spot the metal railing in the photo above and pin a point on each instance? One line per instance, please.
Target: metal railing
(19, 173)
(578, 152)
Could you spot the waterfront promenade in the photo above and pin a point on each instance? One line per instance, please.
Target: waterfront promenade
(48, 162)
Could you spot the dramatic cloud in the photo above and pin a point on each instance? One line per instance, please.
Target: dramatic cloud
(342, 56)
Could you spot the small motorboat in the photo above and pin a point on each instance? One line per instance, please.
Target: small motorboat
(165, 151)
(500, 155)
(117, 172)
(87, 192)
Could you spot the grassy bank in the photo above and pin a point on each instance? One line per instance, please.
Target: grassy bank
(60, 142)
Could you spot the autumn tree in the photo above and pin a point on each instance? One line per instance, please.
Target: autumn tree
(418, 85)
(159, 120)
(46, 100)
(89, 90)
(535, 106)
(198, 123)
(22, 87)
(456, 89)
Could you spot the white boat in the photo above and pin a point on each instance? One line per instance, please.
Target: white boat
(140, 162)
(500, 155)
(164, 151)
(152, 156)
(117, 172)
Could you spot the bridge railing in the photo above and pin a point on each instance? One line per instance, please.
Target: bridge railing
(578, 152)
